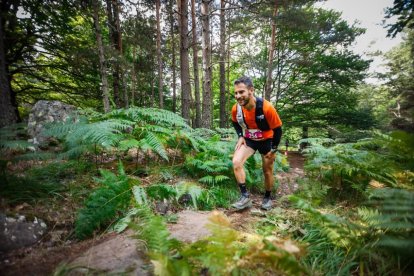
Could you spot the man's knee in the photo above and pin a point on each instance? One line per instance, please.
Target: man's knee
(237, 164)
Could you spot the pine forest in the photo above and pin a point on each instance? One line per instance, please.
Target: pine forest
(201, 137)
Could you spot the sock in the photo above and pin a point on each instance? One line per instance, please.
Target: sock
(267, 194)
(243, 189)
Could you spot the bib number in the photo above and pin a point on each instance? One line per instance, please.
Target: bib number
(253, 133)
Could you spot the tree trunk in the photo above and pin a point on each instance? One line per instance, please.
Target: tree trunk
(101, 55)
(184, 60)
(116, 43)
(8, 105)
(195, 65)
(222, 65)
(159, 54)
(207, 96)
(268, 89)
(133, 76)
(173, 67)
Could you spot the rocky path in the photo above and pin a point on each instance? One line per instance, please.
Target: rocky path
(119, 253)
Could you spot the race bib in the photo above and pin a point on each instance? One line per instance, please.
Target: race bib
(253, 133)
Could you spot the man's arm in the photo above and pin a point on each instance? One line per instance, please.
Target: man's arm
(238, 129)
(277, 135)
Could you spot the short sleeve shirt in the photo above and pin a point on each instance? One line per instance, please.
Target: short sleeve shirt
(270, 113)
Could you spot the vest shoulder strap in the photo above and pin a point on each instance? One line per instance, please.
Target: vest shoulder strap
(261, 121)
(240, 117)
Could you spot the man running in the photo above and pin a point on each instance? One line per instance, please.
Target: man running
(258, 127)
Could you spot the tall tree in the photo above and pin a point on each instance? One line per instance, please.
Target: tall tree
(269, 79)
(222, 65)
(101, 55)
(159, 54)
(184, 60)
(112, 7)
(195, 65)
(8, 105)
(404, 10)
(173, 59)
(207, 70)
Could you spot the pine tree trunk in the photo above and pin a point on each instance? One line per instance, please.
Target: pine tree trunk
(195, 66)
(173, 61)
(268, 89)
(8, 105)
(159, 54)
(184, 60)
(222, 65)
(101, 55)
(133, 76)
(207, 96)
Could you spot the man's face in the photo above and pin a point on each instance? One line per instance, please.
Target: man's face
(242, 94)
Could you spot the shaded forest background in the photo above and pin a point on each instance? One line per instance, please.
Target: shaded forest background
(153, 85)
(183, 56)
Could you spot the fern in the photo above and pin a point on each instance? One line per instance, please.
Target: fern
(104, 203)
(14, 137)
(229, 252)
(191, 189)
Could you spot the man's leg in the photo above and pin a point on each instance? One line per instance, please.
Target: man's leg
(269, 178)
(239, 158)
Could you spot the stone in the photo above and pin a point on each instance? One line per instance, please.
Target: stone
(191, 226)
(116, 256)
(18, 233)
(44, 112)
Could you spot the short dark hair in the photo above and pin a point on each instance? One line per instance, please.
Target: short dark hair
(246, 80)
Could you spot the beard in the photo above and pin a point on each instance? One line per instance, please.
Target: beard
(244, 101)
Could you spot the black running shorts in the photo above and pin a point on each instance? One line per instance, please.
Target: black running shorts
(262, 146)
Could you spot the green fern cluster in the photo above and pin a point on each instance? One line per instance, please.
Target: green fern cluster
(347, 167)
(14, 138)
(103, 205)
(122, 129)
(212, 165)
(378, 239)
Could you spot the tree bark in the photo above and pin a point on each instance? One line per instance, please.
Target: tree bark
(133, 76)
(173, 61)
(195, 66)
(116, 43)
(159, 54)
(207, 96)
(184, 60)
(268, 89)
(222, 65)
(9, 113)
(101, 55)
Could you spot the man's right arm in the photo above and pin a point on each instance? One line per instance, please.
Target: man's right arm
(238, 129)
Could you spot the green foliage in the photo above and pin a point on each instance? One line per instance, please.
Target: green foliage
(161, 191)
(141, 128)
(104, 203)
(347, 166)
(14, 137)
(218, 197)
(229, 252)
(39, 182)
(379, 239)
(190, 189)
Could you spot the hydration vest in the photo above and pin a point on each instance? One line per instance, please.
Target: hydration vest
(260, 119)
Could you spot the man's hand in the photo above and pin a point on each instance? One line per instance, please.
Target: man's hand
(240, 143)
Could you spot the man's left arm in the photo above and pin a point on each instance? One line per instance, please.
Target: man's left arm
(277, 135)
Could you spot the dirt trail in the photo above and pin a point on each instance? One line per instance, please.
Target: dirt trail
(118, 253)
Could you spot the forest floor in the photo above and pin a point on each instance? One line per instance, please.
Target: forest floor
(118, 253)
